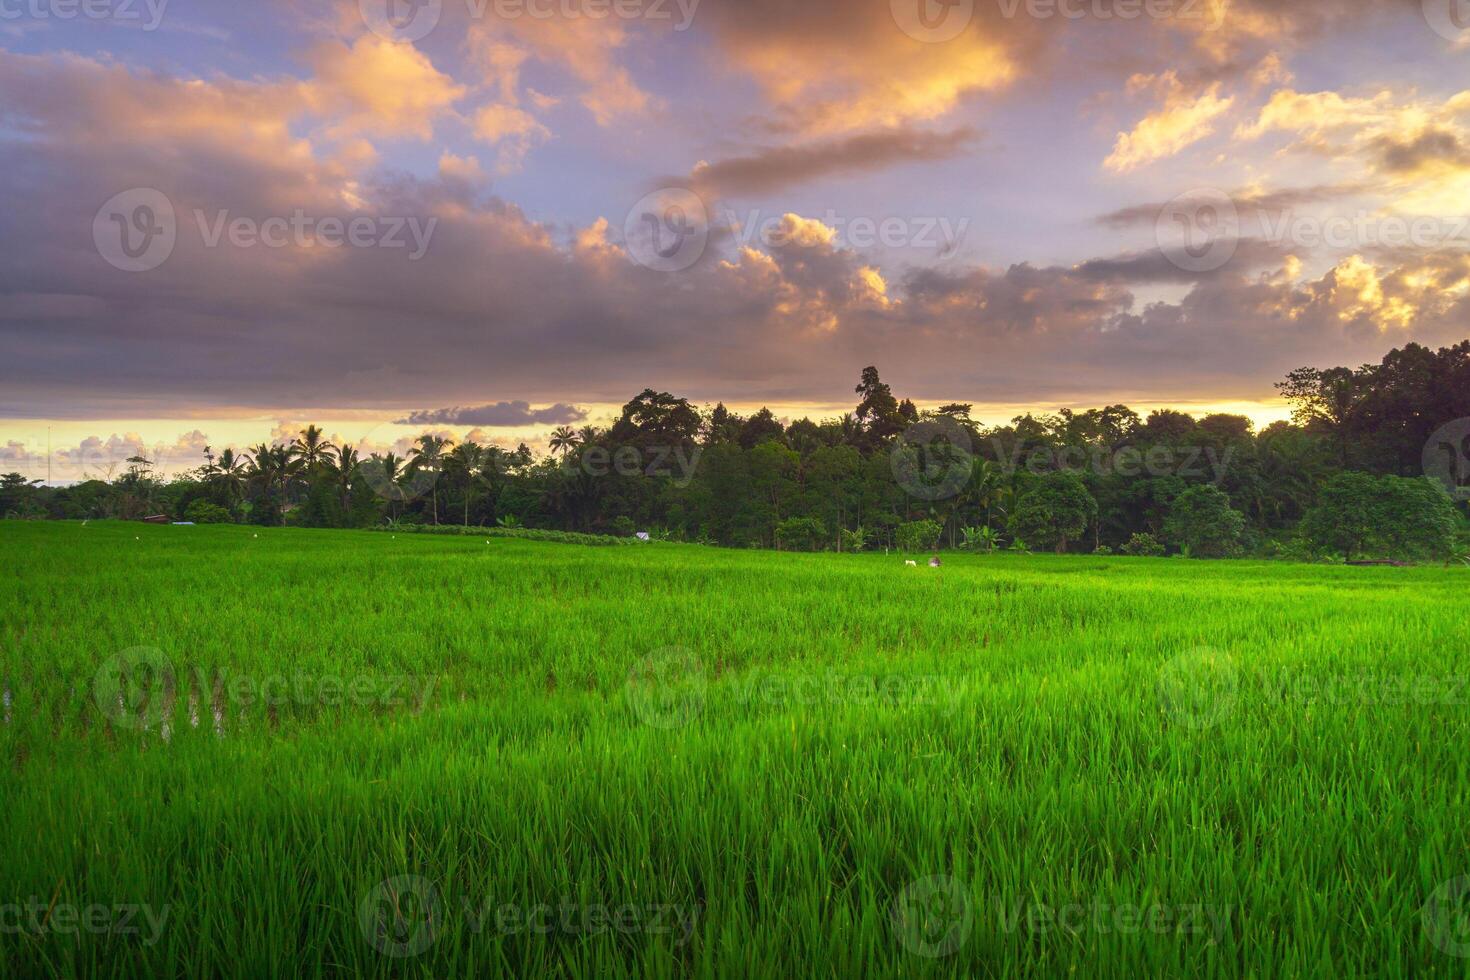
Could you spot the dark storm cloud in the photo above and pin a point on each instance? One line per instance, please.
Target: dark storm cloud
(779, 167)
(1245, 201)
(1432, 146)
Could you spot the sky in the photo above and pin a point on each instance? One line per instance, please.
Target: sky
(487, 218)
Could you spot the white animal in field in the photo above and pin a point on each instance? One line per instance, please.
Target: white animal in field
(912, 564)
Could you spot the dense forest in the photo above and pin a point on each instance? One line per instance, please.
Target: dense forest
(1345, 478)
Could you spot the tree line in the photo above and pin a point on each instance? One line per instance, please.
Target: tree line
(1375, 462)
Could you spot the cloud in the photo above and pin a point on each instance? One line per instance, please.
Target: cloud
(1245, 199)
(498, 415)
(1412, 149)
(586, 48)
(1182, 120)
(379, 88)
(514, 130)
(506, 303)
(832, 67)
(1429, 148)
(779, 167)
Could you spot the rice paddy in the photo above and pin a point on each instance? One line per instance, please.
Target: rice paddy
(240, 751)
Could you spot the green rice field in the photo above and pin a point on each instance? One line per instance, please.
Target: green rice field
(260, 752)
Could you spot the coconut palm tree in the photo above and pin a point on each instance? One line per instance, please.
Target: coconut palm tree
(563, 440)
(342, 466)
(229, 475)
(383, 473)
(427, 456)
(271, 470)
(462, 465)
(310, 448)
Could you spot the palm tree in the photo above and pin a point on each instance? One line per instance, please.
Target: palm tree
(343, 470)
(563, 440)
(229, 475)
(428, 456)
(462, 465)
(383, 473)
(310, 448)
(271, 469)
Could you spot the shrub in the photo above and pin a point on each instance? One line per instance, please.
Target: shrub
(1396, 517)
(1203, 524)
(204, 512)
(1143, 546)
(919, 535)
(800, 533)
(1055, 512)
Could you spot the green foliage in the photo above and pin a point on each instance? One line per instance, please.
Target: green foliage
(855, 540)
(204, 512)
(1202, 523)
(980, 539)
(1360, 515)
(1073, 480)
(919, 535)
(1054, 512)
(801, 534)
(1143, 545)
